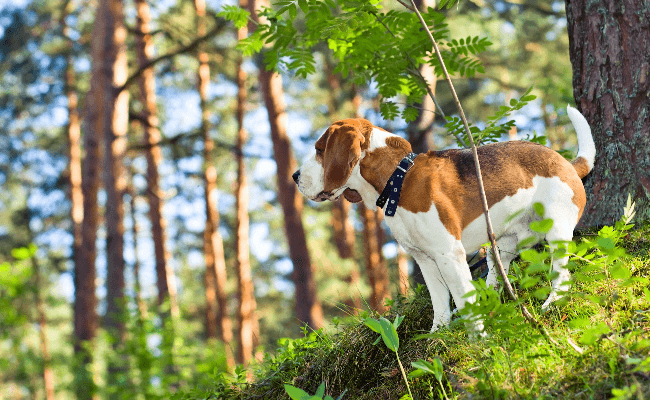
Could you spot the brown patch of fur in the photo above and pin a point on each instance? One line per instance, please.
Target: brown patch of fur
(581, 166)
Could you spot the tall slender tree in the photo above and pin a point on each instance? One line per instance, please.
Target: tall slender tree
(48, 374)
(114, 124)
(308, 307)
(611, 81)
(246, 312)
(217, 320)
(85, 301)
(145, 49)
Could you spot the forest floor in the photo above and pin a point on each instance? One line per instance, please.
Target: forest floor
(602, 331)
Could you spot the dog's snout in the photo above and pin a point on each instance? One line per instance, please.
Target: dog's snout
(296, 176)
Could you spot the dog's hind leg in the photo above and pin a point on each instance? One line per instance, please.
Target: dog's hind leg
(507, 245)
(565, 217)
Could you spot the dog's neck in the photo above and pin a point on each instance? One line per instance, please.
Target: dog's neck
(377, 164)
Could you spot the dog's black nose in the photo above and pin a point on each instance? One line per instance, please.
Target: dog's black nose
(296, 176)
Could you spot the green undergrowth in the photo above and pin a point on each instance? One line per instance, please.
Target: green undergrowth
(602, 330)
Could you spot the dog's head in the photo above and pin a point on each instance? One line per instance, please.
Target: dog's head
(324, 175)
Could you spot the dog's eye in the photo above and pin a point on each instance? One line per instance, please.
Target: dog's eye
(319, 152)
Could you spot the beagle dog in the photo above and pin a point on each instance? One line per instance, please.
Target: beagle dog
(439, 218)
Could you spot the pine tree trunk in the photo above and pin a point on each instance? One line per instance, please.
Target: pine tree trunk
(164, 274)
(375, 268)
(308, 308)
(402, 270)
(217, 320)
(608, 42)
(345, 238)
(115, 105)
(48, 375)
(85, 303)
(246, 314)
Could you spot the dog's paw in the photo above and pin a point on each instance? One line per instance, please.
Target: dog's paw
(554, 296)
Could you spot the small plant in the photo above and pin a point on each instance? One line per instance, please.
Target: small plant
(299, 394)
(388, 332)
(423, 367)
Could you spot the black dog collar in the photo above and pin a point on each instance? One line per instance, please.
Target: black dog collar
(394, 186)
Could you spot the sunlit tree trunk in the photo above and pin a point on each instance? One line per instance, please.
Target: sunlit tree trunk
(246, 315)
(402, 270)
(137, 289)
(48, 375)
(308, 308)
(608, 42)
(115, 105)
(85, 303)
(145, 50)
(345, 238)
(375, 267)
(217, 320)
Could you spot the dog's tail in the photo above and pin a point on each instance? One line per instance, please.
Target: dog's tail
(584, 162)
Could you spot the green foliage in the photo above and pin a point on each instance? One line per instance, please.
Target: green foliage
(299, 394)
(495, 126)
(368, 42)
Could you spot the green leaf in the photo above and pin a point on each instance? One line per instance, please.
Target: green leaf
(389, 334)
(434, 367)
(321, 390)
(296, 393)
(303, 6)
(542, 226)
(606, 243)
(620, 271)
(373, 324)
(539, 209)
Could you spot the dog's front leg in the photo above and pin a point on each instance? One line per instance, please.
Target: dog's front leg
(455, 273)
(437, 289)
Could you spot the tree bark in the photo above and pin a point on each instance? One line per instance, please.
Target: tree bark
(85, 303)
(345, 238)
(246, 313)
(144, 46)
(114, 124)
(308, 308)
(217, 320)
(375, 267)
(608, 42)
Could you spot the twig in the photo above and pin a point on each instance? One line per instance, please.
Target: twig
(190, 47)
(486, 211)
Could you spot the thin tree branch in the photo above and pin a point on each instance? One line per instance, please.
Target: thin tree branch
(486, 211)
(221, 23)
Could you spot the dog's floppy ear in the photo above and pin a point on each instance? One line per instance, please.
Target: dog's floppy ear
(341, 153)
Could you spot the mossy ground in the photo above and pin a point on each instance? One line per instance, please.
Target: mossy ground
(511, 362)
